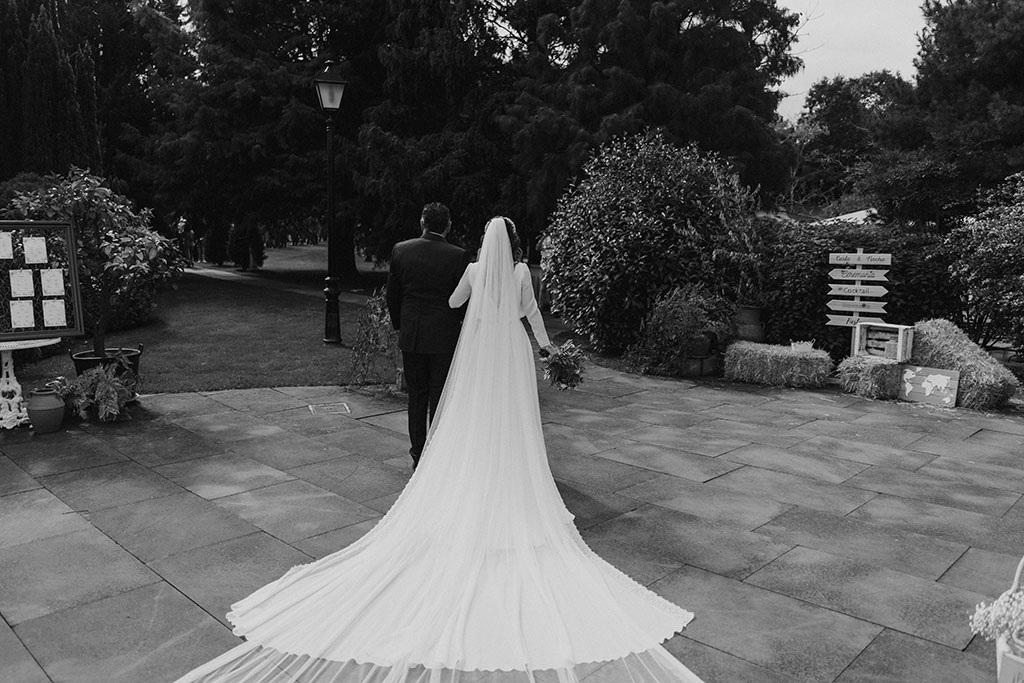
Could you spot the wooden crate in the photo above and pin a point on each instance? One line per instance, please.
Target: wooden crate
(881, 339)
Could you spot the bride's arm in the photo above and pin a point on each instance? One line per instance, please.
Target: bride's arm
(528, 306)
(463, 289)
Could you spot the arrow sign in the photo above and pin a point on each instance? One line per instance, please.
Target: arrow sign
(854, 274)
(857, 290)
(860, 259)
(866, 306)
(851, 320)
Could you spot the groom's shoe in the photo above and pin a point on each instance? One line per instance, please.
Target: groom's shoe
(415, 460)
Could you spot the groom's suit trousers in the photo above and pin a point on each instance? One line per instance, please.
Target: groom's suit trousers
(425, 374)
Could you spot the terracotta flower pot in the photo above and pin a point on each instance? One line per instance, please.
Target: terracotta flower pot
(45, 411)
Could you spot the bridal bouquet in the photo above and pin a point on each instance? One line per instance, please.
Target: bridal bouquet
(564, 367)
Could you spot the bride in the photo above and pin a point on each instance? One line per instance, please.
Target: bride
(476, 573)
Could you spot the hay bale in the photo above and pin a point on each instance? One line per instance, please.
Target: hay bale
(984, 382)
(775, 365)
(870, 376)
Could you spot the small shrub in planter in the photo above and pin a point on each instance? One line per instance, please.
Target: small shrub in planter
(687, 322)
(375, 353)
(870, 376)
(984, 382)
(777, 365)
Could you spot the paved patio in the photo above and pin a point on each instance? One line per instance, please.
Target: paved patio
(817, 536)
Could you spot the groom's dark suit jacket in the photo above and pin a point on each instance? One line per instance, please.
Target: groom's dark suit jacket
(424, 272)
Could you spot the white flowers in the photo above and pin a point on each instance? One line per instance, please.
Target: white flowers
(1005, 616)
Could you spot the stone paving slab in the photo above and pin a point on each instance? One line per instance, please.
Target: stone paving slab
(863, 452)
(217, 476)
(923, 485)
(990, 437)
(748, 432)
(597, 472)
(13, 479)
(155, 528)
(256, 401)
(61, 452)
(218, 575)
(894, 656)
(37, 578)
(982, 571)
(107, 486)
(715, 666)
(32, 515)
(761, 484)
(882, 436)
(157, 442)
(814, 466)
(16, 663)
(564, 439)
(782, 634)
(952, 524)
(150, 634)
(295, 510)
(670, 461)
(969, 452)
(284, 450)
(354, 477)
(711, 443)
(708, 501)
(324, 544)
(926, 609)
(661, 536)
(881, 545)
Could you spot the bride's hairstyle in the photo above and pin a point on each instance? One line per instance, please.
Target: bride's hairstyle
(513, 238)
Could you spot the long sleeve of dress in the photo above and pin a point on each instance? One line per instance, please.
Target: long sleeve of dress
(463, 289)
(528, 305)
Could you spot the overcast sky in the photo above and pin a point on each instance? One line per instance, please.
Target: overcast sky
(850, 38)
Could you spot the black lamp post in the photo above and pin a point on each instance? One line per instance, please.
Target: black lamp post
(330, 86)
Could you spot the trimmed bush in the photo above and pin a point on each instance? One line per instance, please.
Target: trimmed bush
(777, 365)
(984, 382)
(681, 322)
(648, 216)
(870, 376)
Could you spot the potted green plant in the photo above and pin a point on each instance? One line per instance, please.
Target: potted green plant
(689, 322)
(120, 257)
(101, 393)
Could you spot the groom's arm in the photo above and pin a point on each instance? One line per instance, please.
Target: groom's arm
(393, 291)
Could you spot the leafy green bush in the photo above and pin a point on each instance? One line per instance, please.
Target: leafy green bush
(682, 324)
(984, 382)
(647, 217)
(375, 353)
(989, 267)
(796, 279)
(119, 253)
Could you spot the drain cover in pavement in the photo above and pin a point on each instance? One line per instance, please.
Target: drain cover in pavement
(329, 408)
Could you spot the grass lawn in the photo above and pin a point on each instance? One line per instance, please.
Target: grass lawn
(215, 334)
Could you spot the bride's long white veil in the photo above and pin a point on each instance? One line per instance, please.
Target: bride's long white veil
(476, 573)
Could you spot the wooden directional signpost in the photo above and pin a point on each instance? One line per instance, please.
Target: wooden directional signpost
(854, 271)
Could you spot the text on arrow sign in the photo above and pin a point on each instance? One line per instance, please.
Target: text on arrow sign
(851, 320)
(868, 306)
(854, 274)
(860, 259)
(857, 290)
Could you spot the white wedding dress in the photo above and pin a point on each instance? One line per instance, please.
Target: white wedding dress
(477, 572)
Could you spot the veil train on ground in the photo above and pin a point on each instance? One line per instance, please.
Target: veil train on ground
(476, 573)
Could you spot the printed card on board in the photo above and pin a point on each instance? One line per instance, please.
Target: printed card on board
(21, 284)
(22, 315)
(53, 282)
(53, 313)
(35, 250)
(6, 245)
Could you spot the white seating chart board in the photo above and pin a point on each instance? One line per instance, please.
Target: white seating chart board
(39, 293)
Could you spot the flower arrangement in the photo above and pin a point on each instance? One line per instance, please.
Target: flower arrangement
(1004, 617)
(564, 367)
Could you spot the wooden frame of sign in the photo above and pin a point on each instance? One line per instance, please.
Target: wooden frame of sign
(40, 297)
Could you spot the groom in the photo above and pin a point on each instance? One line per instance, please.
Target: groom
(424, 272)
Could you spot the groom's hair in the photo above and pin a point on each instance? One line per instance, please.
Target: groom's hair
(436, 217)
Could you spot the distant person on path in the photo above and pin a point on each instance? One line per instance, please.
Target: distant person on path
(424, 272)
